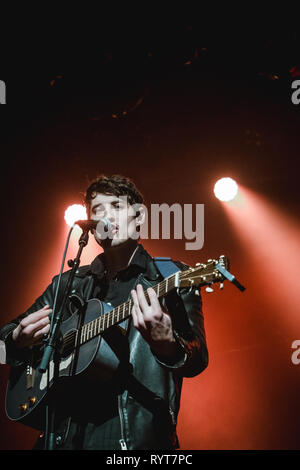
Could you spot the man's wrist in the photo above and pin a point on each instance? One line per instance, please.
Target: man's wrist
(171, 353)
(13, 353)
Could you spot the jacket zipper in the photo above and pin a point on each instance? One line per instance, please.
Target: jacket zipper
(122, 440)
(121, 415)
(172, 416)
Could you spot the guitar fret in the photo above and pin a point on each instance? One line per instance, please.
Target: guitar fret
(82, 335)
(100, 327)
(85, 332)
(88, 331)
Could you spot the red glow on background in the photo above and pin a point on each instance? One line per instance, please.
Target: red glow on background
(272, 241)
(248, 397)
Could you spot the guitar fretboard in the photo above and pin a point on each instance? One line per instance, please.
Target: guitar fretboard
(122, 312)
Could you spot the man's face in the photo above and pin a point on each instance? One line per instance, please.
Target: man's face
(121, 215)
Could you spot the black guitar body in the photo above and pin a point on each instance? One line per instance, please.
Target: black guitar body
(98, 358)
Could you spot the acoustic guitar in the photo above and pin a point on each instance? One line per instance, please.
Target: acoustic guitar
(84, 346)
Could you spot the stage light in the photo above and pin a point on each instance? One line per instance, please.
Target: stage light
(75, 212)
(226, 189)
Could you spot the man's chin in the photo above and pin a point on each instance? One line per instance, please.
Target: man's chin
(111, 243)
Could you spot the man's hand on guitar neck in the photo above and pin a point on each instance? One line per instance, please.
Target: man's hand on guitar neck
(32, 328)
(154, 323)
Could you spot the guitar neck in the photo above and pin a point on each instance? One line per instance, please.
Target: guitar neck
(202, 274)
(122, 312)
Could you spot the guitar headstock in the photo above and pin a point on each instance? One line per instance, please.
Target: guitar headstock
(204, 273)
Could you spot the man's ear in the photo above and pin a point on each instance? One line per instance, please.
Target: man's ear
(140, 216)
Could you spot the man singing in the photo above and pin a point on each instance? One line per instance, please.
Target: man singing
(136, 405)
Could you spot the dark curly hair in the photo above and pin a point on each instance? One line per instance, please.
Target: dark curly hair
(116, 185)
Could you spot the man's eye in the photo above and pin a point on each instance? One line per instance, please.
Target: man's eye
(98, 210)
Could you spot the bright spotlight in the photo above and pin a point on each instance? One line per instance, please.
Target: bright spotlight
(75, 212)
(226, 189)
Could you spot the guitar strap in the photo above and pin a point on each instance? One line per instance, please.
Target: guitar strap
(165, 266)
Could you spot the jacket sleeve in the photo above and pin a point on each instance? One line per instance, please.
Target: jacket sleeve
(16, 356)
(185, 308)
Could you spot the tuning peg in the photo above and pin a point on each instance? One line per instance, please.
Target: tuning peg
(209, 289)
(221, 285)
(198, 264)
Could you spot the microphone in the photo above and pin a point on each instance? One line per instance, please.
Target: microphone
(98, 225)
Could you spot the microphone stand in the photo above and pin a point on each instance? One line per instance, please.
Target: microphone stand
(50, 348)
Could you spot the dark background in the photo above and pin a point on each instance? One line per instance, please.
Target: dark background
(174, 109)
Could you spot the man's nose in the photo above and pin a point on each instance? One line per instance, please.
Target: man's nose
(108, 214)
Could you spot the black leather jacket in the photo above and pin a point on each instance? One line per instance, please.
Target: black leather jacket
(149, 403)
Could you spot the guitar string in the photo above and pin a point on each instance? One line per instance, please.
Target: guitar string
(114, 314)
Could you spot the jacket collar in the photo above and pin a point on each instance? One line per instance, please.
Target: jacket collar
(141, 262)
